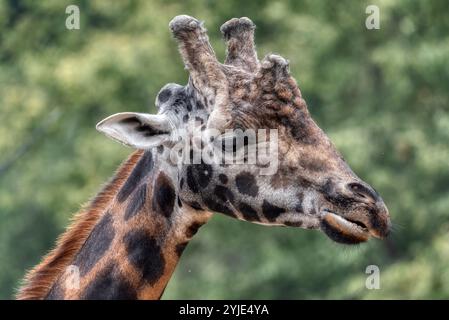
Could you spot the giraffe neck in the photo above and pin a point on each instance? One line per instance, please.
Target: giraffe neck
(136, 244)
(127, 242)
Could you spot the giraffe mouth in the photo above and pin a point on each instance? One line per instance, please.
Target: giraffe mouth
(344, 230)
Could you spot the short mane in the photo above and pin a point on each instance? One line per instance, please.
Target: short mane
(39, 280)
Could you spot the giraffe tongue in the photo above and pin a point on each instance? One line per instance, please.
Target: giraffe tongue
(342, 230)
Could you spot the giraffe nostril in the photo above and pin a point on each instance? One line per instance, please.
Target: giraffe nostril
(362, 191)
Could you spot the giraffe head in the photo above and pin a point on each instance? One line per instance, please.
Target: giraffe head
(312, 187)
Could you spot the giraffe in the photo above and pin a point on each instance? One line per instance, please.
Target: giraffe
(128, 240)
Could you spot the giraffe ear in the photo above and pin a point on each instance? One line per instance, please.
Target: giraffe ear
(137, 130)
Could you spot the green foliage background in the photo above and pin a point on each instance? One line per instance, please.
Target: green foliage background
(381, 95)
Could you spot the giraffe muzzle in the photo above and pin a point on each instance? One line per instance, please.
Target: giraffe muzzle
(343, 230)
(358, 226)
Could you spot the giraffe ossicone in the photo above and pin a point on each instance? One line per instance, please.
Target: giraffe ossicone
(127, 242)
